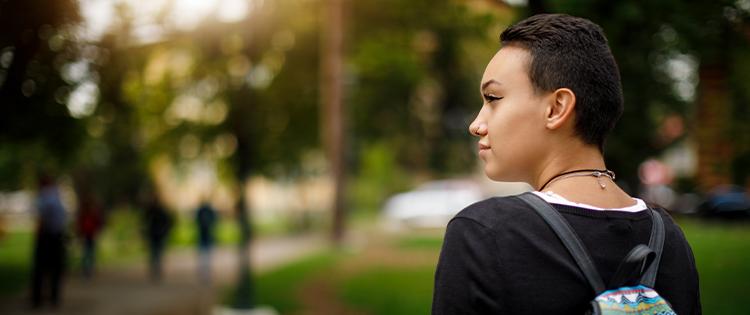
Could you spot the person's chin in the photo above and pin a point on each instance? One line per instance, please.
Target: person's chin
(493, 173)
(499, 175)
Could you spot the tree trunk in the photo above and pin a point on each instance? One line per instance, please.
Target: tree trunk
(244, 295)
(332, 114)
(713, 109)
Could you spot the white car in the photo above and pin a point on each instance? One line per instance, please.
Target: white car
(432, 204)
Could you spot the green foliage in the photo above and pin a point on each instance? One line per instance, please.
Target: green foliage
(121, 240)
(37, 131)
(379, 176)
(414, 80)
(183, 232)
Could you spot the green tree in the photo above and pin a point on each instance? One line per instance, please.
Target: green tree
(415, 69)
(37, 53)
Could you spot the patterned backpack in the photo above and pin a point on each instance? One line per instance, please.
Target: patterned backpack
(620, 297)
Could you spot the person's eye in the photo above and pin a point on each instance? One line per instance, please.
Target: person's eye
(491, 98)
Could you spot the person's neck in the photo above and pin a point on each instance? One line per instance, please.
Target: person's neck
(570, 158)
(582, 189)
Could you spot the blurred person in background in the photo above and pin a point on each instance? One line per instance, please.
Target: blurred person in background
(89, 223)
(205, 219)
(49, 246)
(158, 223)
(656, 177)
(550, 96)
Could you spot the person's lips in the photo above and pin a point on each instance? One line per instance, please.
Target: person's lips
(483, 147)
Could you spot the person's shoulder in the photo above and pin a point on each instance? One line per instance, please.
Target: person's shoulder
(494, 211)
(673, 230)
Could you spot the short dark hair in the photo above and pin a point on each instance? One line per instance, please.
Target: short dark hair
(572, 52)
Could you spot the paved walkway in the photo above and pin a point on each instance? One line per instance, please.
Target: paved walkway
(127, 290)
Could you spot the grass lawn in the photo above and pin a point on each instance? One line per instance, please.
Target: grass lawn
(722, 255)
(390, 290)
(278, 287)
(395, 276)
(15, 258)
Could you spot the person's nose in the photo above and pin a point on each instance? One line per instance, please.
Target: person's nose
(478, 127)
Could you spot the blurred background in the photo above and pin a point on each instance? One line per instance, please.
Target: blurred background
(304, 156)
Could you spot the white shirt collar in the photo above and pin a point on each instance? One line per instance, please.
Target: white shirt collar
(552, 197)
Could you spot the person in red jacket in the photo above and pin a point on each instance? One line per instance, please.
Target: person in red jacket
(89, 223)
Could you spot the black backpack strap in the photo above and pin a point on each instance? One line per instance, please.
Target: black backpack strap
(656, 243)
(631, 269)
(568, 237)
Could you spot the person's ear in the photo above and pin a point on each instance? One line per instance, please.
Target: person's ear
(560, 108)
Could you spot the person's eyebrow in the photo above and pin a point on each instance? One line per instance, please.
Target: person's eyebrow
(485, 84)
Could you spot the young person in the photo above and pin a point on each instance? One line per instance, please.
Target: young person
(550, 96)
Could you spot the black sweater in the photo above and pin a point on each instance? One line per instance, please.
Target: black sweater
(500, 257)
